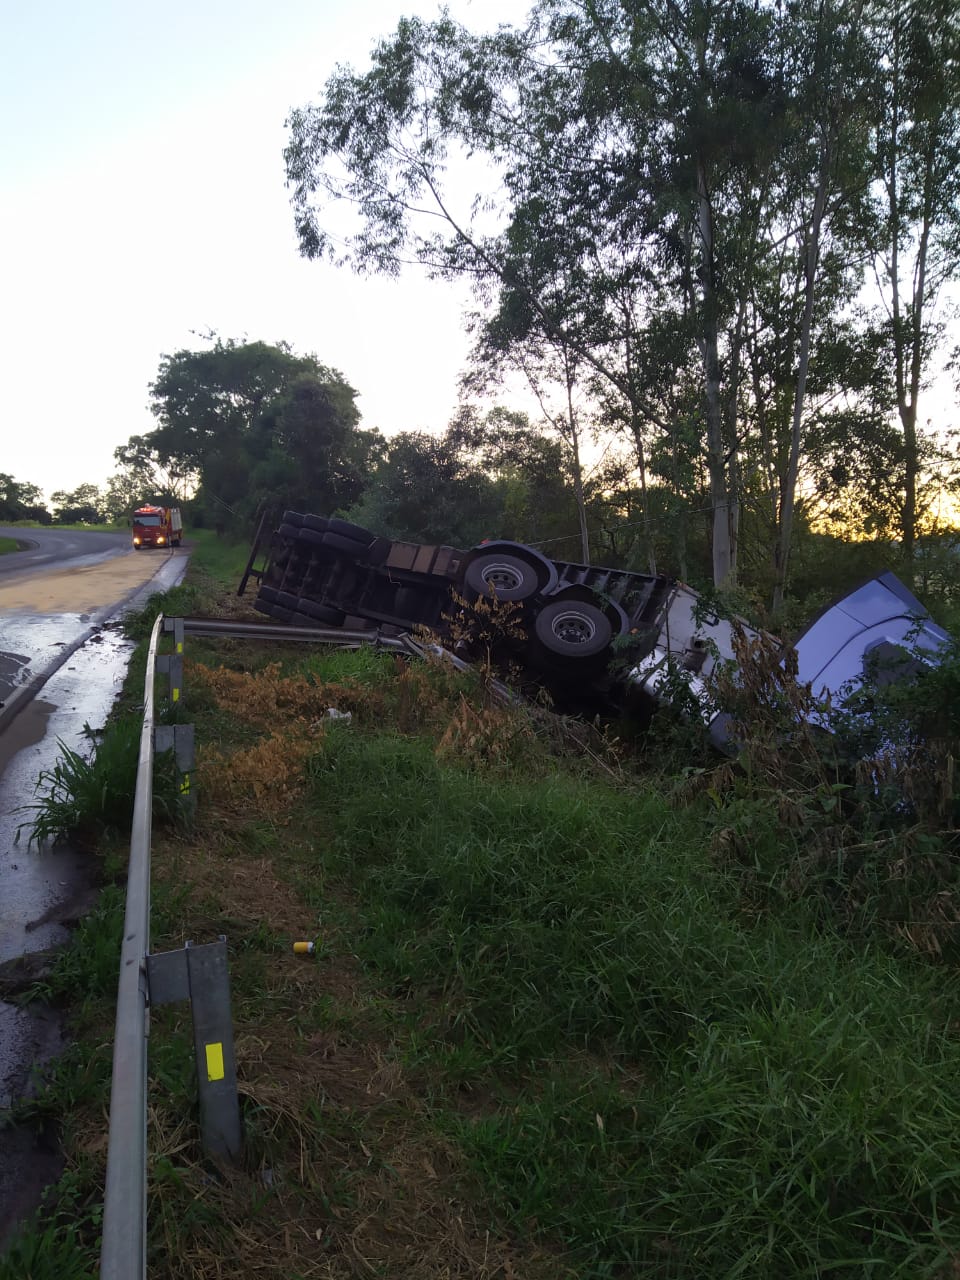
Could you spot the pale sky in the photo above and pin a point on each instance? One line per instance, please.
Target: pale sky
(142, 197)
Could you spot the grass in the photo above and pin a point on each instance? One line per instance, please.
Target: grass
(87, 797)
(8, 545)
(107, 527)
(569, 1015)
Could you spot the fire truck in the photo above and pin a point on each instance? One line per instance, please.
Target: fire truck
(157, 527)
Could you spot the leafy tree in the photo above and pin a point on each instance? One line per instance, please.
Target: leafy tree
(20, 500)
(314, 454)
(83, 505)
(916, 243)
(247, 423)
(636, 147)
(675, 203)
(424, 489)
(531, 475)
(141, 472)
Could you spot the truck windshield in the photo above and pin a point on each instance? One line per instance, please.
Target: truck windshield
(146, 520)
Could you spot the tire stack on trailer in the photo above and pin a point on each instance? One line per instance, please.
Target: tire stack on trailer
(309, 556)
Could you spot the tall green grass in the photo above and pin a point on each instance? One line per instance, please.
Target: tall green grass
(88, 796)
(221, 559)
(671, 1082)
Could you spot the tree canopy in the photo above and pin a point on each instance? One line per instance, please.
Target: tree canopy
(246, 423)
(686, 200)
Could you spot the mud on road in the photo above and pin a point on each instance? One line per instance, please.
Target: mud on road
(85, 589)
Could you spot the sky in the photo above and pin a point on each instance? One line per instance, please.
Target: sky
(143, 203)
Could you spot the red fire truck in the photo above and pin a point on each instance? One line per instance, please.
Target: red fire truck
(157, 527)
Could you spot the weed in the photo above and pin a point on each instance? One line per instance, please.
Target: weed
(178, 601)
(49, 1248)
(88, 797)
(86, 968)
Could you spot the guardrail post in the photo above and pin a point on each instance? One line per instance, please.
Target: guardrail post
(179, 739)
(200, 975)
(175, 625)
(213, 1046)
(171, 665)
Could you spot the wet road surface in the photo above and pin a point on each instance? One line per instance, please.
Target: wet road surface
(45, 548)
(43, 891)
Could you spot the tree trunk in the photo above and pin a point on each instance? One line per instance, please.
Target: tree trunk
(787, 506)
(724, 565)
(577, 468)
(908, 397)
(644, 503)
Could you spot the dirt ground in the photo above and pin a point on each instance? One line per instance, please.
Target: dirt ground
(80, 590)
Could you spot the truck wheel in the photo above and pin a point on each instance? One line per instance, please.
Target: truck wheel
(321, 612)
(506, 576)
(348, 530)
(345, 545)
(310, 537)
(289, 530)
(318, 524)
(573, 629)
(293, 518)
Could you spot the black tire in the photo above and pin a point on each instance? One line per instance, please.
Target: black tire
(288, 530)
(344, 545)
(507, 576)
(293, 518)
(347, 530)
(321, 612)
(262, 606)
(281, 615)
(287, 600)
(311, 537)
(318, 524)
(301, 619)
(268, 594)
(573, 629)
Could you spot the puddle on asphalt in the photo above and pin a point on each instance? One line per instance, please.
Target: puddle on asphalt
(43, 891)
(37, 886)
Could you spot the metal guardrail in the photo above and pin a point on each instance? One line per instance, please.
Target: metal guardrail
(198, 974)
(124, 1251)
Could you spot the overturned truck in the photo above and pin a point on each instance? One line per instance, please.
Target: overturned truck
(599, 633)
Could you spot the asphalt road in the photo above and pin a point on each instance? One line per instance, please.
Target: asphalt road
(47, 548)
(59, 604)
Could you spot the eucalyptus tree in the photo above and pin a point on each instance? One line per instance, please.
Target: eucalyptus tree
(612, 140)
(916, 151)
